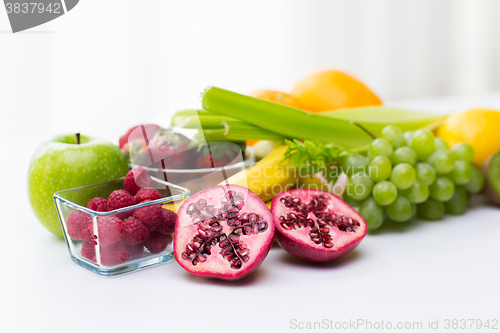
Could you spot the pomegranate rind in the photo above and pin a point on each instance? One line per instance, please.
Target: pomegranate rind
(297, 241)
(216, 266)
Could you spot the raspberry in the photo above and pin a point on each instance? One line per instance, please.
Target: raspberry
(114, 254)
(136, 179)
(135, 231)
(157, 242)
(148, 193)
(167, 223)
(76, 223)
(150, 216)
(135, 249)
(88, 251)
(109, 228)
(98, 204)
(120, 199)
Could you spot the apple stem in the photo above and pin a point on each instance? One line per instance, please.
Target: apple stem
(77, 138)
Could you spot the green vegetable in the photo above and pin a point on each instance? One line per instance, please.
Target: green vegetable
(233, 133)
(315, 157)
(335, 126)
(375, 118)
(221, 128)
(282, 119)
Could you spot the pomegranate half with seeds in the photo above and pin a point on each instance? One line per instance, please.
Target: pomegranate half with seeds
(316, 225)
(224, 232)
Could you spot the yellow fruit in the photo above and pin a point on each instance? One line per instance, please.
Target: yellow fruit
(332, 89)
(268, 177)
(478, 127)
(312, 183)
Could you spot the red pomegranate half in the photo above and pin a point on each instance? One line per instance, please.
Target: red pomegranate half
(224, 232)
(315, 225)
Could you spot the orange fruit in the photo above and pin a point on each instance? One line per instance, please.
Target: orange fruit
(331, 89)
(273, 96)
(478, 127)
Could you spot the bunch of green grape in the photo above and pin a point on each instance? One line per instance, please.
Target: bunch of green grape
(408, 174)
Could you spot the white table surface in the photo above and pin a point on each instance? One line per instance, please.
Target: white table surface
(417, 272)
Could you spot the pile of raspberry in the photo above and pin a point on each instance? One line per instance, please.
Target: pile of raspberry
(126, 234)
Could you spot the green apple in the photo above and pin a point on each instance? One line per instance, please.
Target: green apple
(65, 162)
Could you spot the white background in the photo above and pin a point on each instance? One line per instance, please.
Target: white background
(107, 65)
(110, 64)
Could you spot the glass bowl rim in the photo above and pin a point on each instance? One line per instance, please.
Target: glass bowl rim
(243, 164)
(57, 197)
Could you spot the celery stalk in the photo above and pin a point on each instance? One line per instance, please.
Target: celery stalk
(239, 135)
(221, 127)
(375, 118)
(282, 119)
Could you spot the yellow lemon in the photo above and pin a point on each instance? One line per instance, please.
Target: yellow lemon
(478, 127)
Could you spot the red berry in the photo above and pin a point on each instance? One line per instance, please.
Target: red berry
(76, 223)
(98, 204)
(136, 179)
(150, 216)
(172, 148)
(109, 228)
(114, 254)
(120, 199)
(135, 231)
(88, 251)
(167, 224)
(147, 194)
(157, 242)
(133, 134)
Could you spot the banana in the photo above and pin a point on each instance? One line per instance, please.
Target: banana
(268, 177)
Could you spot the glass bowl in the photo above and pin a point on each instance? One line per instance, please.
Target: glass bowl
(96, 253)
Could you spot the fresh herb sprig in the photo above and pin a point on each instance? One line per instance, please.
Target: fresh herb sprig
(313, 157)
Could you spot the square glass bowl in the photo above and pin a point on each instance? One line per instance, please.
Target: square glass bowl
(117, 258)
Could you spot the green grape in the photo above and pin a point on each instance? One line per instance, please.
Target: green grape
(463, 151)
(442, 189)
(403, 176)
(354, 163)
(457, 205)
(440, 144)
(425, 173)
(408, 135)
(380, 168)
(431, 210)
(417, 193)
(384, 193)
(350, 201)
(359, 186)
(400, 210)
(404, 155)
(476, 184)
(413, 210)
(380, 147)
(373, 213)
(423, 143)
(442, 161)
(461, 173)
(394, 135)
